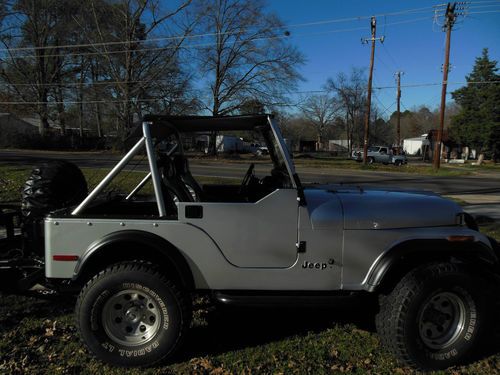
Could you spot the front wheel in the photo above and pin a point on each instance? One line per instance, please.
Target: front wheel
(131, 315)
(432, 319)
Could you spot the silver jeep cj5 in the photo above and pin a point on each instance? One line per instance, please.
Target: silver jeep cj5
(137, 261)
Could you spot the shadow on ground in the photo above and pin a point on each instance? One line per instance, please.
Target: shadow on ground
(221, 329)
(26, 323)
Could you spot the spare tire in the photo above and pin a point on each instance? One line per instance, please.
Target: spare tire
(52, 185)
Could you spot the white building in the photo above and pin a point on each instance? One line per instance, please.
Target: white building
(229, 143)
(335, 144)
(415, 146)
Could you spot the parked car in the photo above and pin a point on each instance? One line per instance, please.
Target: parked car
(258, 149)
(380, 154)
(136, 262)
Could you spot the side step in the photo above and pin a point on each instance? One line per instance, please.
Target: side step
(280, 298)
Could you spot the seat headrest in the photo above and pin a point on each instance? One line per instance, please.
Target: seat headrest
(181, 164)
(167, 165)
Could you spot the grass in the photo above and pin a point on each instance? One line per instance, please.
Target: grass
(38, 335)
(353, 165)
(491, 229)
(341, 163)
(13, 178)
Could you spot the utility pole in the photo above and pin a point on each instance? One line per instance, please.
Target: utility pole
(398, 98)
(373, 39)
(450, 18)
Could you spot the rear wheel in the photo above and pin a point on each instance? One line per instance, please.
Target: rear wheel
(370, 160)
(433, 318)
(398, 163)
(132, 315)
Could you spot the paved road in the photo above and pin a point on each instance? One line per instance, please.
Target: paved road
(482, 184)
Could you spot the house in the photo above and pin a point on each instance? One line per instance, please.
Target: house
(11, 124)
(55, 126)
(229, 143)
(338, 144)
(307, 145)
(417, 145)
(450, 150)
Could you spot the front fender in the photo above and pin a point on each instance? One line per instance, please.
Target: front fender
(476, 250)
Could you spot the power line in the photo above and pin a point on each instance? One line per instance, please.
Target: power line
(383, 63)
(406, 109)
(390, 56)
(487, 11)
(207, 97)
(91, 101)
(205, 44)
(385, 109)
(483, 2)
(484, 6)
(438, 84)
(181, 37)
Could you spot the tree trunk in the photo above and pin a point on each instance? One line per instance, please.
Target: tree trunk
(213, 135)
(43, 112)
(349, 143)
(80, 111)
(480, 159)
(99, 120)
(60, 108)
(95, 78)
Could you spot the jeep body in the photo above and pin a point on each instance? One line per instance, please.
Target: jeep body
(268, 237)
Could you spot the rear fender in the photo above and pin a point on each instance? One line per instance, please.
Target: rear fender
(134, 244)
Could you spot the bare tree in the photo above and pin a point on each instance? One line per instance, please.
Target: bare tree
(246, 55)
(381, 131)
(124, 32)
(33, 63)
(351, 92)
(320, 111)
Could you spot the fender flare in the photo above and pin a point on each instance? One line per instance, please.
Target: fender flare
(146, 240)
(477, 251)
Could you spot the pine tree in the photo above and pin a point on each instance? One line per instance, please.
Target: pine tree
(478, 122)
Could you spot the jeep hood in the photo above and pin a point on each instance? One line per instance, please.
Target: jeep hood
(379, 209)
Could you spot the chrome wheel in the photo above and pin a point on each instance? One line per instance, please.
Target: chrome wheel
(442, 319)
(131, 317)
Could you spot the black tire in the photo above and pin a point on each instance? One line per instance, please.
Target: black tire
(52, 185)
(434, 317)
(370, 160)
(398, 163)
(127, 290)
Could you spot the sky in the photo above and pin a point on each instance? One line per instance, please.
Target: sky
(412, 44)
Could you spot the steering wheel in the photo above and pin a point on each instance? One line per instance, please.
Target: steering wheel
(247, 178)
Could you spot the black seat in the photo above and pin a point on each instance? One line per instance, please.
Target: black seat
(182, 169)
(172, 181)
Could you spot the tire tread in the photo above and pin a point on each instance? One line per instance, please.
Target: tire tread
(153, 271)
(394, 307)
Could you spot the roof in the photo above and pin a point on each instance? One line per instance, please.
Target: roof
(163, 124)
